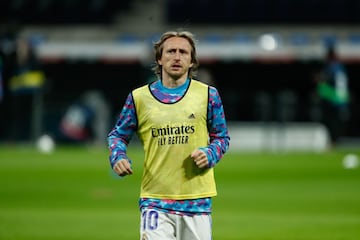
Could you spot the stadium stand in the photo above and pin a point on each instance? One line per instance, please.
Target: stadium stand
(109, 40)
(49, 12)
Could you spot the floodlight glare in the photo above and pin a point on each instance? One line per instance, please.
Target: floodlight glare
(268, 42)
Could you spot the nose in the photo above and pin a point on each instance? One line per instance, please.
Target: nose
(177, 55)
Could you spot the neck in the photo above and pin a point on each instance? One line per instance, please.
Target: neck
(172, 82)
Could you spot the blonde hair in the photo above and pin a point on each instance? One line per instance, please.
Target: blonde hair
(159, 46)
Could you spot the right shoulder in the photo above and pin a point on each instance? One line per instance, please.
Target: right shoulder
(141, 90)
(147, 87)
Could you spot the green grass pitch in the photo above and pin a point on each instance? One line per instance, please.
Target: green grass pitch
(72, 195)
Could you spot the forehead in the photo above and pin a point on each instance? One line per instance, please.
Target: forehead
(177, 42)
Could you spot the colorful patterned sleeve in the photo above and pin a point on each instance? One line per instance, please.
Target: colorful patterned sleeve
(120, 136)
(218, 131)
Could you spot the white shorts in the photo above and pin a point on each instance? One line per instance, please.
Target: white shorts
(157, 225)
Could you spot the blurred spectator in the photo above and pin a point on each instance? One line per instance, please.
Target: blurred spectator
(332, 89)
(25, 85)
(87, 119)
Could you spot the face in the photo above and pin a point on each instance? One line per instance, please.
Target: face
(176, 58)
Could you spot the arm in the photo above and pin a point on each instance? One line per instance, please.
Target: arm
(120, 136)
(218, 131)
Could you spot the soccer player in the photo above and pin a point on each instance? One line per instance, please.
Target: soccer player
(181, 124)
(333, 90)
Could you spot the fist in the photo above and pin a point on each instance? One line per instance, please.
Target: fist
(200, 159)
(123, 168)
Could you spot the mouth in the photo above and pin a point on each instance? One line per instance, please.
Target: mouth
(175, 66)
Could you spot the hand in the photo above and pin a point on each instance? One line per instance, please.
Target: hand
(123, 168)
(200, 158)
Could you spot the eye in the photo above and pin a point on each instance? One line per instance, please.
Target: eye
(172, 51)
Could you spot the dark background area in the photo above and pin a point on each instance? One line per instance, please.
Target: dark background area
(264, 11)
(48, 12)
(241, 83)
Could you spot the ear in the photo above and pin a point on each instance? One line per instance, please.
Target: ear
(159, 62)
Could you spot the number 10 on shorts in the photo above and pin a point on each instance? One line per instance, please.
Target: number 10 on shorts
(149, 220)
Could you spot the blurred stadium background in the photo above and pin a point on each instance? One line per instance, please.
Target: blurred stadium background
(262, 55)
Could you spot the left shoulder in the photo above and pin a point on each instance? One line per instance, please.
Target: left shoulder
(198, 83)
(213, 92)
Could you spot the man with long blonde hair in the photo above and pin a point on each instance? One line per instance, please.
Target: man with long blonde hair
(181, 124)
